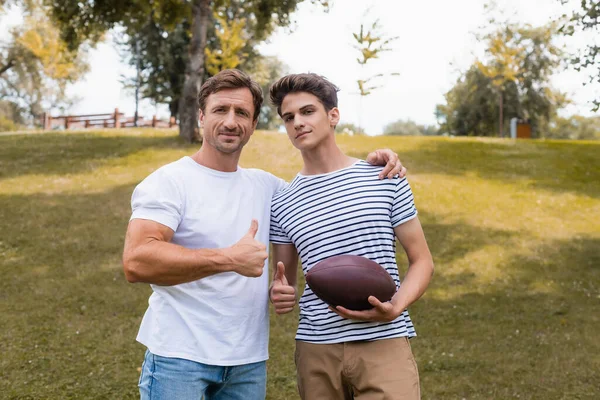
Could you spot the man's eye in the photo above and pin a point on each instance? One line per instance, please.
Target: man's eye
(242, 113)
(308, 111)
(288, 119)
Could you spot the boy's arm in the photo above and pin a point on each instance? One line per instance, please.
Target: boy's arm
(411, 237)
(282, 291)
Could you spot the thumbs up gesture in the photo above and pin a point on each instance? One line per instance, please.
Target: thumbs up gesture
(248, 255)
(283, 296)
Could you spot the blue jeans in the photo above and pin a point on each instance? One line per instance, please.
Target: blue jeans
(164, 378)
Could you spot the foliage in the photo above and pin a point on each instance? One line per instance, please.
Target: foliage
(266, 70)
(349, 128)
(7, 125)
(586, 18)
(409, 128)
(230, 36)
(371, 42)
(574, 127)
(471, 107)
(36, 66)
(86, 21)
(517, 69)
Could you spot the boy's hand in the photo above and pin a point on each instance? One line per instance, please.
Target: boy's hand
(282, 295)
(381, 312)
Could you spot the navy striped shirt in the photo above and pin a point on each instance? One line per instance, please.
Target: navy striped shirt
(349, 211)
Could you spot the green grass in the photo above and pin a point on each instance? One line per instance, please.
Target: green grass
(512, 311)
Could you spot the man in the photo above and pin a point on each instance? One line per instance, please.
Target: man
(197, 234)
(336, 205)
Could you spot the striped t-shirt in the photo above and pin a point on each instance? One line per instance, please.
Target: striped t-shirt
(349, 211)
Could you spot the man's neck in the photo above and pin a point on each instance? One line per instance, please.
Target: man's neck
(324, 159)
(211, 158)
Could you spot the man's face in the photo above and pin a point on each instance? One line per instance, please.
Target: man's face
(228, 119)
(306, 121)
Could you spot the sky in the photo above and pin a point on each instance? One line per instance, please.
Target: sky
(435, 44)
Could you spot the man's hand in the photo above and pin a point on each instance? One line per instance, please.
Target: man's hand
(283, 296)
(381, 312)
(387, 157)
(248, 255)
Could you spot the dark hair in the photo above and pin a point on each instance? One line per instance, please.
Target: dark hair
(231, 79)
(314, 84)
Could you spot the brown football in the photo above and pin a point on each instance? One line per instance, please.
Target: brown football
(348, 281)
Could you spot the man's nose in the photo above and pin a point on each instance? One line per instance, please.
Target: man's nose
(229, 122)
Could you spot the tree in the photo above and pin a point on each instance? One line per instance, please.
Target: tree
(349, 128)
(232, 41)
(586, 18)
(265, 71)
(35, 67)
(519, 64)
(526, 56)
(370, 42)
(408, 128)
(575, 127)
(84, 21)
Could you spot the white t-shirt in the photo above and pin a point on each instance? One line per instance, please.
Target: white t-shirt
(222, 319)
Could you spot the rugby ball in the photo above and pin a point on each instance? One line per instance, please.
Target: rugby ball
(348, 281)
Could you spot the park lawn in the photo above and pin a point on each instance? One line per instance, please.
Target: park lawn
(514, 228)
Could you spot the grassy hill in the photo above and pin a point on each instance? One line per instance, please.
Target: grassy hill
(514, 227)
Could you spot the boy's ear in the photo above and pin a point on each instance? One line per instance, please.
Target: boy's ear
(334, 116)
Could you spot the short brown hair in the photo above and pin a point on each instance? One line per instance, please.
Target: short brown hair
(314, 84)
(231, 79)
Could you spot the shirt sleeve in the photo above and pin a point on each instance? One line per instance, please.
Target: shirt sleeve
(277, 234)
(403, 207)
(157, 198)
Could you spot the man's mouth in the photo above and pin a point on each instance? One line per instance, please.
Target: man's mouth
(300, 134)
(229, 134)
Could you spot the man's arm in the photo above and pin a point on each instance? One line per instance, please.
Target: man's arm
(420, 270)
(389, 159)
(282, 291)
(149, 256)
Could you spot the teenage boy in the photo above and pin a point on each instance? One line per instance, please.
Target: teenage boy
(336, 205)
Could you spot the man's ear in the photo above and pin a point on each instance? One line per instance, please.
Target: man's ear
(334, 116)
(201, 118)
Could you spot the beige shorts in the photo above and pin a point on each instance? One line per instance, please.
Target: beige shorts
(381, 369)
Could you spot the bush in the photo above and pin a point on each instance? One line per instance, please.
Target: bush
(350, 129)
(7, 125)
(574, 127)
(409, 128)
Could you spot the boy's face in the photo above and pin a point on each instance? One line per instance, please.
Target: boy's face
(306, 121)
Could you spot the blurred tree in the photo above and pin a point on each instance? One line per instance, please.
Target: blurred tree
(370, 42)
(36, 66)
(349, 128)
(266, 70)
(228, 54)
(409, 128)
(519, 64)
(526, 56)
(86, 21)
(586, 18)
(574, 127)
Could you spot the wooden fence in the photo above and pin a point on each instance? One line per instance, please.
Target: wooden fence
(115, 119)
